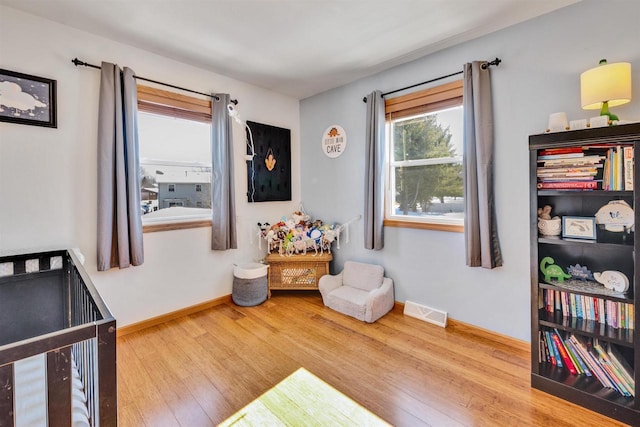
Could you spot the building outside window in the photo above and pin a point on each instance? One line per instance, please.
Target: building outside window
(424, 187)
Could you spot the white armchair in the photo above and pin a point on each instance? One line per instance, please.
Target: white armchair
(359, 291)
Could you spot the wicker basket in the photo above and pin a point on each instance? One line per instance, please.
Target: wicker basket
(297, 271)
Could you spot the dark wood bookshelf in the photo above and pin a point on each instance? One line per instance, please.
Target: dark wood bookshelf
(609, 251)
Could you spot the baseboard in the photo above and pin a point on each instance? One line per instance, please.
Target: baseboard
(492, 335)
(138, 326)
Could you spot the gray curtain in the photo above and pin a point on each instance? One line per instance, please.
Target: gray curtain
(374, 173)
(119, 223)
(223, 207)
(480, 228)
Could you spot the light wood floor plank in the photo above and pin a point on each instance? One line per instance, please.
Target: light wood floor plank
(200, 369)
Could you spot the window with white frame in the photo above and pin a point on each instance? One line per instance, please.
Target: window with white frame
(175, 159)
(424, 187)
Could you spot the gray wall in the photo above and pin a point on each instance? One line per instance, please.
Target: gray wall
(543, 59)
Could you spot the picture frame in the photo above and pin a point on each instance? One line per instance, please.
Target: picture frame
(579, 227)
(27, 99)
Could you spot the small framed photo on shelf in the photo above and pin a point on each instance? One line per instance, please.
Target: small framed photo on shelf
(579, 227)
(27, 99)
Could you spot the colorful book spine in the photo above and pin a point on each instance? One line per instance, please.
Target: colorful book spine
(575, 356)
(605, 362)
(622, 368)
(555, 353)
(564, 150)
(628, 168)
(562, 350)
(569, 185)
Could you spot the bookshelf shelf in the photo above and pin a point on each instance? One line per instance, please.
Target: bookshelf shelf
(588, 288)
(587, 385)
(589, 328)
(581, 323)
(605, 242)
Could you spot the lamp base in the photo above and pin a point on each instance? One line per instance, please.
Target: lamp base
(605, 112)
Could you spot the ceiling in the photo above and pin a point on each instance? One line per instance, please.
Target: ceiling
(294, 47)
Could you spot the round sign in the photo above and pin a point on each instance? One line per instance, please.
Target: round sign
(334, 141)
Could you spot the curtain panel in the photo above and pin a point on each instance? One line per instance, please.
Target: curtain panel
(223, 207)
(374, 173)
(119, 233)
(480, 227)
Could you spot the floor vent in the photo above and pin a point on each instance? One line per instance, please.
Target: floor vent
(428, 314)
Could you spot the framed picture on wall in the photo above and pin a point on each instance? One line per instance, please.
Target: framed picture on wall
(27, 100)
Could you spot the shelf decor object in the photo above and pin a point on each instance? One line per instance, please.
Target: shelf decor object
(579, 227)
(607, 85)
(584, 325)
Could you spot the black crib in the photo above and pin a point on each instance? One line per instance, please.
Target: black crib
(48, 305)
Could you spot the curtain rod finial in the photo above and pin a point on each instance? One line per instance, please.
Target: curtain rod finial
(364, 99)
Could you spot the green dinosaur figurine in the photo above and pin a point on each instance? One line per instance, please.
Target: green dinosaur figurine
(552, 271)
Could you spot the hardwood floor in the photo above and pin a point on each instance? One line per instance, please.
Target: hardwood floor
(200, 369)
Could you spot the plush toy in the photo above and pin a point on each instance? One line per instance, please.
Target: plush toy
(298, 234)
(545, 212)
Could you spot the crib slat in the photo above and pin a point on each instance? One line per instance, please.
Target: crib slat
(59, 387)
(6, 396)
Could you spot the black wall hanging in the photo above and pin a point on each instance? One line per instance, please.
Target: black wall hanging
(269, 175)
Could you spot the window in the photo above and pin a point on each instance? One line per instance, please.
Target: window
(424, 133)
(175, 159)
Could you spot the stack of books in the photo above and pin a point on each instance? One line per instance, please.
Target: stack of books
(589, 357)
(569, 168)
(595, 167)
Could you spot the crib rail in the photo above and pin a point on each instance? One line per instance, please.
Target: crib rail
(85, 346)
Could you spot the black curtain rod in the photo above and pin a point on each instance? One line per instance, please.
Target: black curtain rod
(77, 62)
(484, 66)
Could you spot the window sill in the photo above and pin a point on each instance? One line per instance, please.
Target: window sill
(456, 228)
(179, 225)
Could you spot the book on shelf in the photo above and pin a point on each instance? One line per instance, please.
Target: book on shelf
(569, 185)
(575, 161)
(560, 156)
(628, 168)
(563, 150)
(562, 350)
(553, 349)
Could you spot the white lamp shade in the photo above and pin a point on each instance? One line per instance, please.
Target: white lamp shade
(607, 82)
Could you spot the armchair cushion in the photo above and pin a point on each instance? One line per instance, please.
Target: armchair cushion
(362, 276)
(359, 291)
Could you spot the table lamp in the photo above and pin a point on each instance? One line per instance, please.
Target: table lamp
(604, 86)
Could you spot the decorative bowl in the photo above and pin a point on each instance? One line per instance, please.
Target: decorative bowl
(550, 227)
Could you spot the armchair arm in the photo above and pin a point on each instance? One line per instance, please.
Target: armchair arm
(380, 301)
(328, 283)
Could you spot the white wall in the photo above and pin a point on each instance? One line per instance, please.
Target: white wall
(48, 176)
(543, 59)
